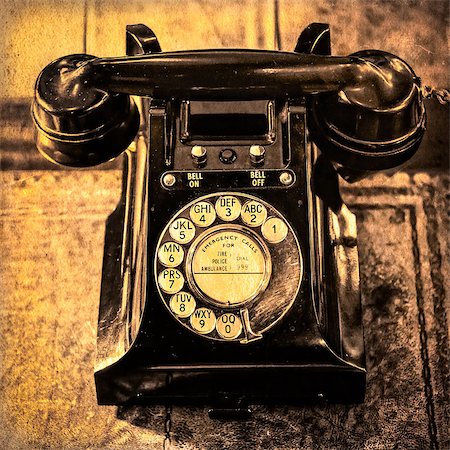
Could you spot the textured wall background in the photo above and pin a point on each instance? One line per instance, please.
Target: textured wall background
(34, 32)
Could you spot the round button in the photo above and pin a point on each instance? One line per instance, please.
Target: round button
(202, 214)
(182, 230)
(229, 326)
(274, 230)
(199, 155)
(228, 156)
(229, 266)
(171, 281)
(253, 213)
(169, 180)
(257, 153)
(203, 320)
(228, 208)
(170, 254)
(286, 178)
(182, 304)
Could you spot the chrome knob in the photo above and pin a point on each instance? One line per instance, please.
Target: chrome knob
(257, 153)
(199, 155)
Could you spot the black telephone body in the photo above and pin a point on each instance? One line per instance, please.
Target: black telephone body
(230, 272)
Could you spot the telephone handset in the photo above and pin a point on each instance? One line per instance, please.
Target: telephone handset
(236, 275)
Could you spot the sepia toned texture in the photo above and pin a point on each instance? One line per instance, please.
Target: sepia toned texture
(52, 226)
(35, 32)
(52, 248)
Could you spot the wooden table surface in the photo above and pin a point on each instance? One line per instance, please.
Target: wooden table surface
(52, 230)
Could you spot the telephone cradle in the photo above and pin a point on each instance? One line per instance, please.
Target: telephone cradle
(230, 271)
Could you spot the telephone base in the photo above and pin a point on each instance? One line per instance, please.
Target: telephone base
(230, 413)
(226, 387)
(144, 356)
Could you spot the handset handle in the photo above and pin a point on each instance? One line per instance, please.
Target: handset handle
(381, 82)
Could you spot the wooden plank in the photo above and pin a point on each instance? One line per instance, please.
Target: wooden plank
(33, 34)
(52, 243)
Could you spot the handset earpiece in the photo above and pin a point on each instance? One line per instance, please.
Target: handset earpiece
(78, 123)
(375, 123)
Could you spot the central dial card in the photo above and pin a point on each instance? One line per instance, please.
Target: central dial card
(228, 267)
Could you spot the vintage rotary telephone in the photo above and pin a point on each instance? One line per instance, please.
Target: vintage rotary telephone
(231, 269)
